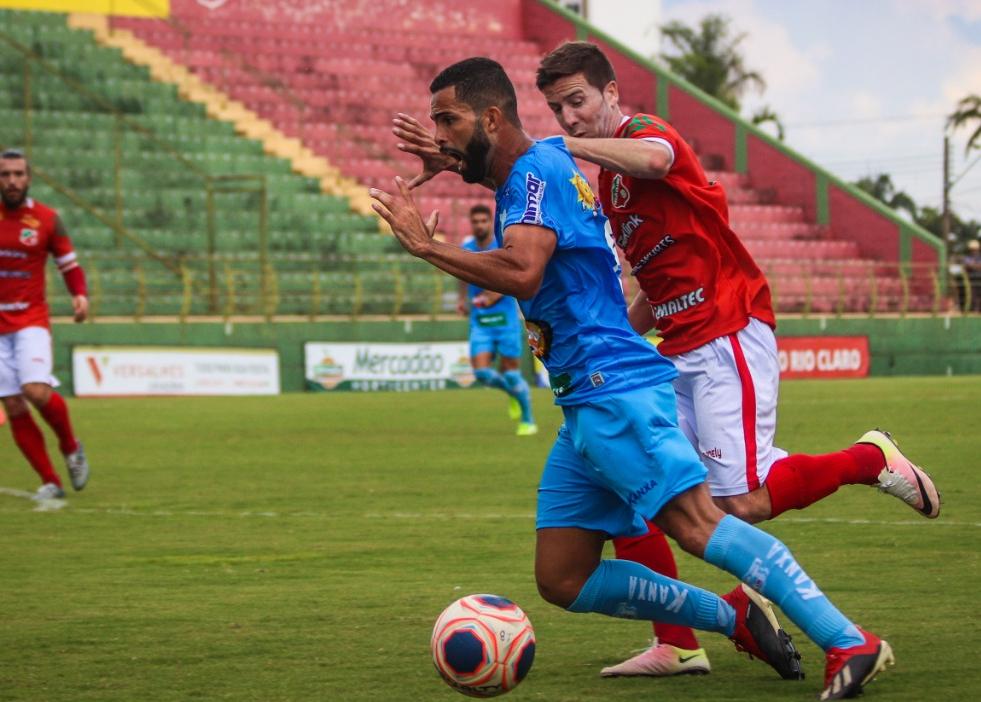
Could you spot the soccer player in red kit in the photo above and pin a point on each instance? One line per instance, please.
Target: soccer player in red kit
(711, 304)
(29, 231)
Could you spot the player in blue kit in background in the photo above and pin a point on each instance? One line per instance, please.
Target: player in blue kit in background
(620, 456)
(495, 329)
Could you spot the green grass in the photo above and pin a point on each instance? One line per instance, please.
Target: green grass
(300, 548)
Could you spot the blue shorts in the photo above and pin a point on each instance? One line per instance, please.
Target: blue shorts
(507, 341)
(617, 461)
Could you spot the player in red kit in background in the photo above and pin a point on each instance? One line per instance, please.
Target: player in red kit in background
(29, 231)
(711, 304)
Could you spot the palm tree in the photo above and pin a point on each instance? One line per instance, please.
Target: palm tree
(968, 112)
(766, 115)
(709, 58)
(883, 189)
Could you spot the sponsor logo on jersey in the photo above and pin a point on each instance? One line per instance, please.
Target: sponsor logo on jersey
(619, 195)
(715, 453)
(534, 189)
(583, 192)
(628, 228)
(12, 253)
(659, 248)
(31, 221)
(13, 306)
(29, 237)
(596, 379)
(680, 303)
(15, 274)
(539, 337)
(561, 384)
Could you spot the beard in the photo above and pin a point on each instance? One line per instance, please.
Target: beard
(13, 204)
(475, 157)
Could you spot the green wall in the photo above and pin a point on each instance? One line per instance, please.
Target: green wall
(931, 346)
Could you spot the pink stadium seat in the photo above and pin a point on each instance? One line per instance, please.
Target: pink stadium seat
(333, 73)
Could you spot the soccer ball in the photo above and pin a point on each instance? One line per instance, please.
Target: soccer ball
(483, 645)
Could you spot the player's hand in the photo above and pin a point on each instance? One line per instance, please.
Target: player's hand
(80, 306)
(419, 142)
(403, 216)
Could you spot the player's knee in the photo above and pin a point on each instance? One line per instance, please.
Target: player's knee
(37, 394)
(559, 591)
(15, 405)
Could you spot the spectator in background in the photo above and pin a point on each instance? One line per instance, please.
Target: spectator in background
(29, 231)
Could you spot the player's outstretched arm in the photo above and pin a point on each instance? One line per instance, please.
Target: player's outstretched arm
(418, 141)
(632, 157)
(515, 269)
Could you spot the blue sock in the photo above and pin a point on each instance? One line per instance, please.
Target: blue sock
(765, 564)
(491, 378)
(518, 389)
(630, 590)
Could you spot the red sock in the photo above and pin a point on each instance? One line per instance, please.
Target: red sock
(797, 481)
(55, 413)
(30, 441)
(653, 551)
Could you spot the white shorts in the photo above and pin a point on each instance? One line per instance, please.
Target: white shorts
(727, 407)
(25, 357)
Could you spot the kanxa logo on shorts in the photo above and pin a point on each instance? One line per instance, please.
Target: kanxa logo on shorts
(29, 237)
(619, 194)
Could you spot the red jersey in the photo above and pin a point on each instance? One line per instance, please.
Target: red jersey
(27, 235)
(698, 277)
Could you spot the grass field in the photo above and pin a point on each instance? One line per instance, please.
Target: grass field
(300, 548)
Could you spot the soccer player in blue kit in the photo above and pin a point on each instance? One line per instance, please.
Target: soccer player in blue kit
(495, 329)
(620, 456)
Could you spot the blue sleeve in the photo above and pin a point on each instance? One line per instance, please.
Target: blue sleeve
(529, 198)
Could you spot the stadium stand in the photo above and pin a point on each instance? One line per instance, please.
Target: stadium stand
(324, 257)
(328, 76)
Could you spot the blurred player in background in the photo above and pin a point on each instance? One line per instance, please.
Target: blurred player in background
(711, 305)
(495, 329)
(620, 456)
(29, 231)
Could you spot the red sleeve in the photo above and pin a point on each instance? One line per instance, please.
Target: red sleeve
(643, 126)
(64, 254)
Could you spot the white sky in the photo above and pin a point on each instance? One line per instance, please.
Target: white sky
(862, 87)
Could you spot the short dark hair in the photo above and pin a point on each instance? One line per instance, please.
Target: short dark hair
(575, 57)
(480, 209)
(15, 154)
(480, 83)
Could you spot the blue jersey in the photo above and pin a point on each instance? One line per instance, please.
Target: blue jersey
(504, 312)
(577, 322)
